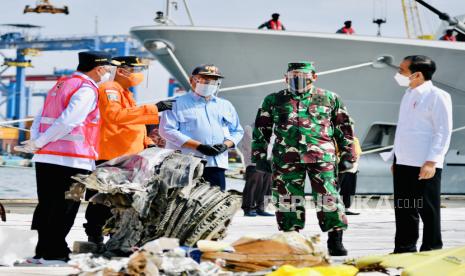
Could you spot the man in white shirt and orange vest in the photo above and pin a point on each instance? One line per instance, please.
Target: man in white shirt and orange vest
(64, 140)
(422, 140)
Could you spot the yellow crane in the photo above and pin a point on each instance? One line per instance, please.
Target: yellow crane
(44, 6)
(412, 18)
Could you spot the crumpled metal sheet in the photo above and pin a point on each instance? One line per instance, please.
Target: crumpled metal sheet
(168, 199)
(125, 174)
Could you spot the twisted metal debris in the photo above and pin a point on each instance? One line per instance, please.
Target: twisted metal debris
(157, 193)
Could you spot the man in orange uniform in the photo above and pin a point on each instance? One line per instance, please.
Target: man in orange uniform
(122, 131)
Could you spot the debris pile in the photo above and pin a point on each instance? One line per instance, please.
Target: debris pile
(157, 193)
(159, 257)
(252, 254)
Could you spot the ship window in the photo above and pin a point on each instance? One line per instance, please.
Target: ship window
(379, 135)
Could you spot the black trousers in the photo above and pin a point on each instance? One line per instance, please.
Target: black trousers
(347, 183)
(415, 199)
(215, 176)
(96, 214)
(54, 215)
(257, 186)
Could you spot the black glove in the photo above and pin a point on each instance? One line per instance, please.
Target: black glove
(207, 150)
(221, 148)
(165, 105)
(263, 166)
(344, 166)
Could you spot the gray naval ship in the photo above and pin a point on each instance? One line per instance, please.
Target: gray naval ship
(359, 68)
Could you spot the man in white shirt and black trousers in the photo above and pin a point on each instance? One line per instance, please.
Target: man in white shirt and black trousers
(64, 140)
(422, 140)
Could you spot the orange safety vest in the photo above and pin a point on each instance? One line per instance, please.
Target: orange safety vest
(276, 25)
(449, 38)
(82, 141)
(123, 128)
(348, 31)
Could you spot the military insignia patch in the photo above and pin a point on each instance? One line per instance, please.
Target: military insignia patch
(320, 100)
(112, 95)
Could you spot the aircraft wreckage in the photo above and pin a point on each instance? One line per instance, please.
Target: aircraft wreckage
(157, 193)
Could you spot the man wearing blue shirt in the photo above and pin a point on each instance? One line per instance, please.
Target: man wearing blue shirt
(202, 124)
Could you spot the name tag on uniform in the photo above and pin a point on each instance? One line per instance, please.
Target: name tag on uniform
(112, 95)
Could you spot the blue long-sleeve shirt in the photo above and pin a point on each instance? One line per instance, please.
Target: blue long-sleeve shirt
(209, 122)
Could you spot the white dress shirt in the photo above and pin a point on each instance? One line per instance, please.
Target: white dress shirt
(80, 105)
(424, 128)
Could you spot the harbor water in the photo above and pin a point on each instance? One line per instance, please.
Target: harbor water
(17, 182)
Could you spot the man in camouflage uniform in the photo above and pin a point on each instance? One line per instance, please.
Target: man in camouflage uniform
(307, 122)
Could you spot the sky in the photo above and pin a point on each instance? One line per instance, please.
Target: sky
(118, 16)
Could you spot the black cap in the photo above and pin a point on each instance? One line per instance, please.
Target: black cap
(348, 22)
(90, 59)
(130, 61)
(275, 15)
(207, 70)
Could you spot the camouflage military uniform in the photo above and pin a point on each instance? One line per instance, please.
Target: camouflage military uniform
(306, 126)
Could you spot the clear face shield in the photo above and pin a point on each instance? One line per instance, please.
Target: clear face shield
(109, 75)
(134, 75)
(112, 70)
(206, 86)
(299, 82)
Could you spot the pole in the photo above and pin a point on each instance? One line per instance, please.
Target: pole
(188, 12)
(21, 97)
(11, 98)
(453, 21)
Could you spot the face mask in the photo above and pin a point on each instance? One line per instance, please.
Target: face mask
(402, 80)
(136, 79)
(206, 90)
(298, 84)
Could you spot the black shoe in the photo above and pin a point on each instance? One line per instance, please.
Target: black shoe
(98, 240)
(264, 214)
(250, 214)
(404, 250)
(335, 246)
(350, 213)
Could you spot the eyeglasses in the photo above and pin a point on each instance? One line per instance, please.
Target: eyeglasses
(136, 69)
(108, 68)
(297, 74)
(207, 81)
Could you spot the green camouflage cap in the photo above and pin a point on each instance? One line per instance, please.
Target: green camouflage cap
(303, 66)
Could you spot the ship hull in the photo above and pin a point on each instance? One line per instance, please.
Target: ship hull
(371, 94)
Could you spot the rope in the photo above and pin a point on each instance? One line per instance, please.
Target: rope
(15, 167)
(377, 150)
(282, 80)
(178, 64)
(16, 121)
